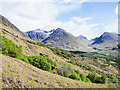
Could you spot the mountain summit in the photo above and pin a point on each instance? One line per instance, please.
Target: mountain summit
(38, 34)
(107, 39)
(65, 40)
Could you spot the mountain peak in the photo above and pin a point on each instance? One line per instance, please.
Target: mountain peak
(107, 39)
(81, 37)
(60, 29)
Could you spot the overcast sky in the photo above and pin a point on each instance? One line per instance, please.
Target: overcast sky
(78, 17)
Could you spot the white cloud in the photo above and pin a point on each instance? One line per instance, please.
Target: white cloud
(29, 16)
(111, 28)
(81, 20)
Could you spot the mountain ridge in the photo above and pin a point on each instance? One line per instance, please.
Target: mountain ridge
(107, 39)
(65, 40)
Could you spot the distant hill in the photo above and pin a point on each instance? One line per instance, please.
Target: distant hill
(106, 40)
(81, 37)
(64, 40)
(84, 40)
(38, 35)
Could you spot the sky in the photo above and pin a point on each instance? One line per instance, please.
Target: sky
(79, 17)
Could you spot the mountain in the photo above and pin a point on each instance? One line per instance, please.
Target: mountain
(81, 37)
(94, 39)
(84, 40)
(64, 40)
(31, 64)
(5, 23)
(106, 40)
(38, 35)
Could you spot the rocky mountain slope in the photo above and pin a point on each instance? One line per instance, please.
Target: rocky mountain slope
(64, 40)
(106, 40)
(38, 35)
(84, 40)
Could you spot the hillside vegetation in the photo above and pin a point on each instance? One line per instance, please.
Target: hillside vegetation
(18, 74)
(55, 66)
(28, 63)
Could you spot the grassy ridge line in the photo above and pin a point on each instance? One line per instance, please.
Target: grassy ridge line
(17, 73)
(59, 52)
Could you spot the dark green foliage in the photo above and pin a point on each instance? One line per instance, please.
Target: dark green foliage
(83, 77)
(104, 78)
(55, 72)
(115, 80)
(23, 59)
(77, 71)
(88, 80)
(42, 62)
(10, 49)
(74, 76)
(92, 77)
(112, 78)
(97, 79)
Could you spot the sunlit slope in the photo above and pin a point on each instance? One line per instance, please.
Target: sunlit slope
(16, 73)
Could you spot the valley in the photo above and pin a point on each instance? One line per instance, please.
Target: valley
(58, 61)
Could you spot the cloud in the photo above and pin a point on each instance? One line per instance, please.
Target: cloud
(113, 27)
(79, 19)
(30, 15)
(42, 14)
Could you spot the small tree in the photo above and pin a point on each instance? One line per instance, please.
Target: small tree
(74, 76)
(83, 77)
(104, 78)
(92, 77)
(88, 80)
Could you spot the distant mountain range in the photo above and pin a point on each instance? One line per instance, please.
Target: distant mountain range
(59, 38)
(38, 35)
(64, 40)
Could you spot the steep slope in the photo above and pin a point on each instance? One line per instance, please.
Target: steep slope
(5, 23)
(64, 40)
(18, 74)
(106, 40)
(38, 35)
(94, 39)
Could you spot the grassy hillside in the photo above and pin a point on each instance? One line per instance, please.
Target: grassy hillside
(51, 59)
(19, 74)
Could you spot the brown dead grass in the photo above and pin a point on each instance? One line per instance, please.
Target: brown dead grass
(18, 74)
